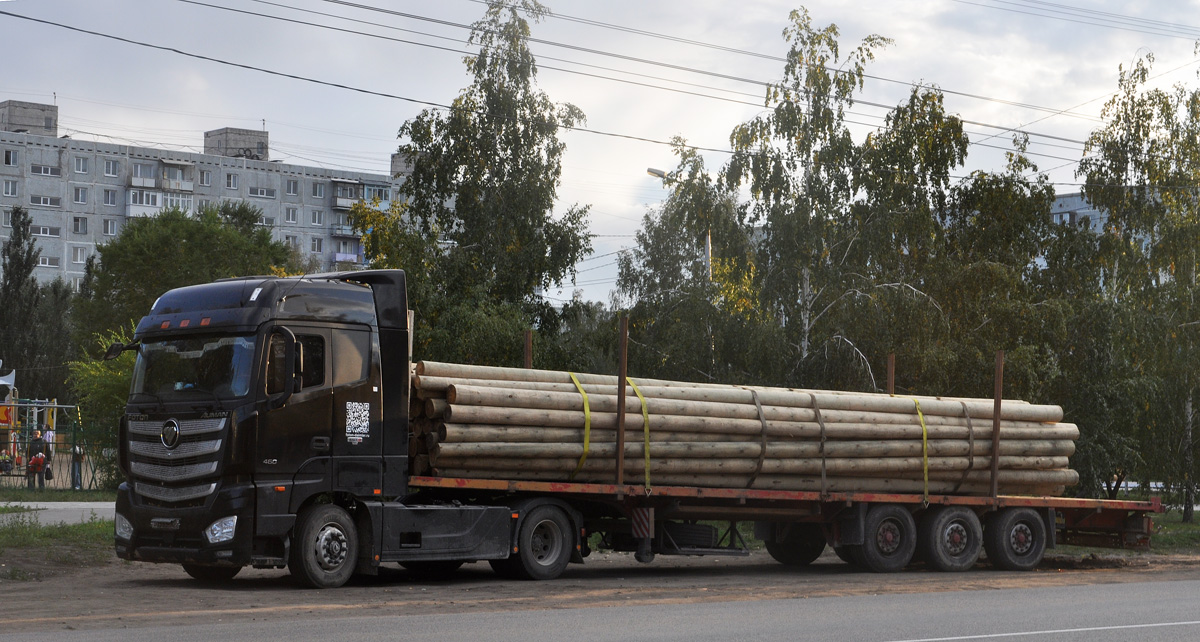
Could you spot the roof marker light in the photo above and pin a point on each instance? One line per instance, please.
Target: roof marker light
(185, 323)
(165, 325)
(205, 321)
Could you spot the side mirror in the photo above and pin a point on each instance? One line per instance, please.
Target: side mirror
(290, 365)
(117, 348)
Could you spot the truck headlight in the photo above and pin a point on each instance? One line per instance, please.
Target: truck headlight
(124, 530)
(221, 530)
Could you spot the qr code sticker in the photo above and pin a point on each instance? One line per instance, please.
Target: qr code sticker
(358, 421)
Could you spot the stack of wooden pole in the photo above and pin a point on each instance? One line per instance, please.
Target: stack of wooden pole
(518, 424)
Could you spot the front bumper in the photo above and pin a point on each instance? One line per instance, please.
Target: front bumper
(176, 535)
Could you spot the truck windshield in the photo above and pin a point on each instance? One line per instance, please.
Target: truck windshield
(207, 365)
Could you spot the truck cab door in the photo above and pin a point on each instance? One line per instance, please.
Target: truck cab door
(293, 445)
(357, 415)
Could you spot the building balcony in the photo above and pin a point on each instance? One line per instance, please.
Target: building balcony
(343, 203)
(176, 186)
(138, 181)
(142, 211)
(346, 258)
(344, 230)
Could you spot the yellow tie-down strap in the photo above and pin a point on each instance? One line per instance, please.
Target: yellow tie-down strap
(645, 430)
(587, 426)
(924, 448)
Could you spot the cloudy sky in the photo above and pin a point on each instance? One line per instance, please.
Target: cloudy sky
(647, 69)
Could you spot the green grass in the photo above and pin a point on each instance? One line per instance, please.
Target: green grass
(25, 531)
(1171, 535)
(56, 495)
(5, 510)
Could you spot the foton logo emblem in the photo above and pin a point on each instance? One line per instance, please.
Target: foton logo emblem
(170, 434)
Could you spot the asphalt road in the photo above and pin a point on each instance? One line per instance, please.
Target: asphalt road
(1148, 612)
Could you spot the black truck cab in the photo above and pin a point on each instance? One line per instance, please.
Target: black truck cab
(269, 411)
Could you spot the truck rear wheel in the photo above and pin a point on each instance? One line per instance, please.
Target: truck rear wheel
(950, 538)
(211, 574)
(891, 539)
(1015, 539)
(544, 546)
(801, 545)
(325, 549)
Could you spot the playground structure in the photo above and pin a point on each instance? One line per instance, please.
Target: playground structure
(62, 429)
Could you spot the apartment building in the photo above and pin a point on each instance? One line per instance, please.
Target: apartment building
(81, 193)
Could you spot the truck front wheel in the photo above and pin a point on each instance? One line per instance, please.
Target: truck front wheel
(325, 550)
(1015, 539)
(544, 546)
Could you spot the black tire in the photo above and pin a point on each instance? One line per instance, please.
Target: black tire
(846, 553)
(544, 546)
(325, 547)
(1015, 539)
(950, 538)
(801, 545)
(211, 574)
(432, 569)
(891, 539)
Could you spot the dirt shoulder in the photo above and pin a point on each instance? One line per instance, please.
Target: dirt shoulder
(74, 589)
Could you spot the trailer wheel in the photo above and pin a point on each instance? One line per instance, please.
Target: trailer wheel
(801, 545)
(432, 568)
(325, 550)
(950, 538)
(544, 546)
(1015, 539)
(211, 574)
(891, 539)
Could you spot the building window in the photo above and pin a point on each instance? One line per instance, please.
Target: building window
(182, 202)
(44, 170)
(79, 255)
(10, 188)
(45, 230)
(269, 221)
(110, 197)
(291, 241)
(81, 164)
(143, 170)
(143, 197)
(173, 173)
(10, 157)
(7, 218)
(347, 247)
(293, 187)
(202, 203)
(81, 195)
(79, 225)
(381, 193)
(318, 190)
(262, 192)
(316, 245)
(77, 283)
(112, 167)
(290, 215)
(318, 217)
(205, 177)
(45, 201)
(47, 261)
(231, 181)
(110, 227)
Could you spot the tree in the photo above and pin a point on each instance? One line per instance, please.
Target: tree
(20, 293)
(155, 254)
(485, 174)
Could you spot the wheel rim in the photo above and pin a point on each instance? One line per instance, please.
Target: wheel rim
(1020, 539)
(889, 537)
(331, 547)
(955, 539)
(546, 542)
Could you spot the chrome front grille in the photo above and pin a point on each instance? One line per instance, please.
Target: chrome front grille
(157, 471)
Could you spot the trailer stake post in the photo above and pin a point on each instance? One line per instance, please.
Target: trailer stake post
(528, 349)
(996, 424)
(891, 382)
(622, 374)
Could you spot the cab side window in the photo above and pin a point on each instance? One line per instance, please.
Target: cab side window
(351, 350)
(310, 355)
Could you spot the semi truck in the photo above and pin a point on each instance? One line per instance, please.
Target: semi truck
(267, 425)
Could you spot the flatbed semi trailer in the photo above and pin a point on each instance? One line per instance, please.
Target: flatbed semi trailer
(268, 426)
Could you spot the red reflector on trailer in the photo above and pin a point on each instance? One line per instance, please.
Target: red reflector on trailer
(204, 321)
(165, 325)
(516, 515)
(280, 489)
(378, 491)
(185, 323)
